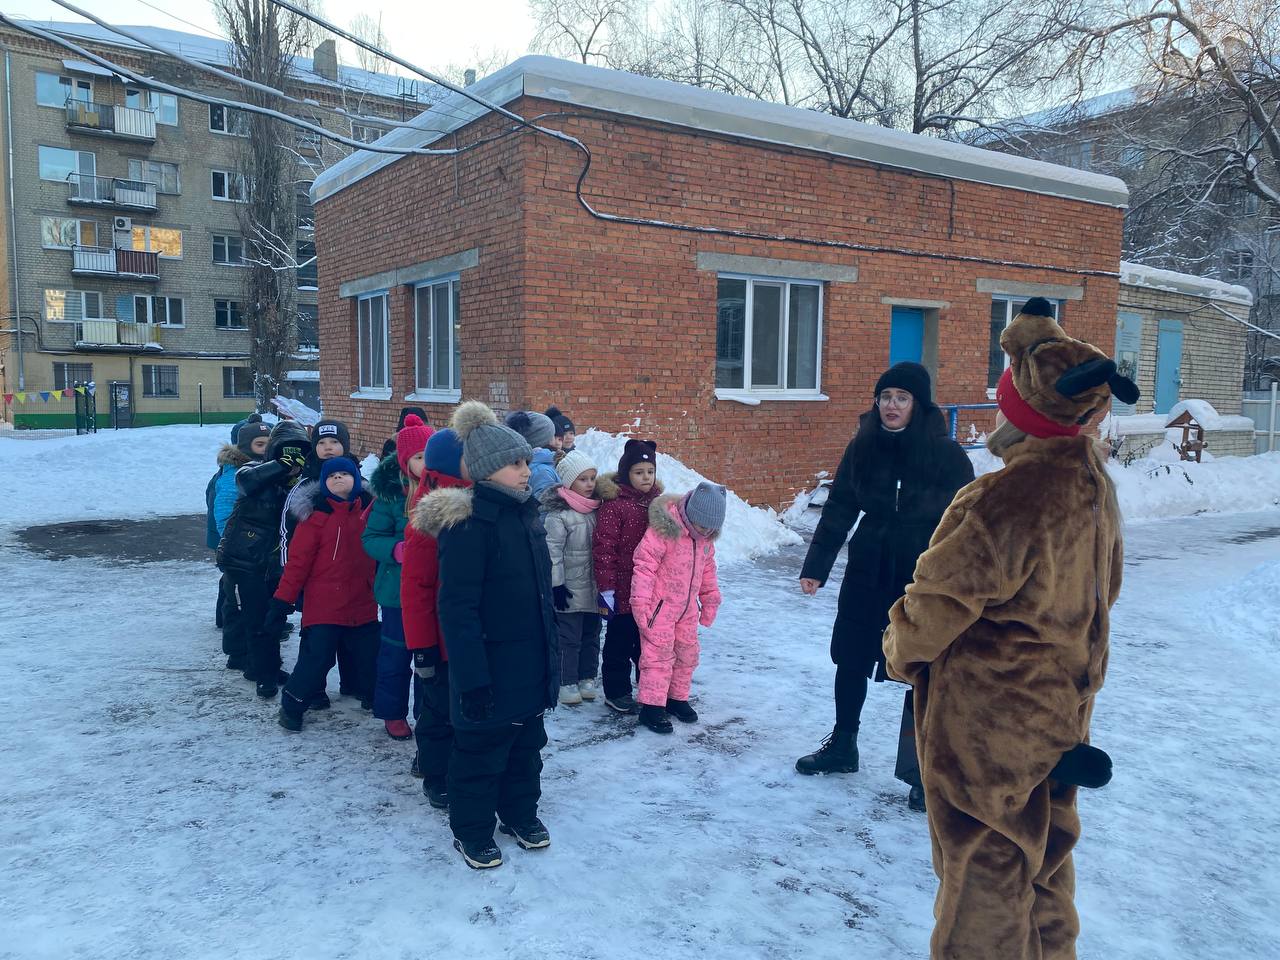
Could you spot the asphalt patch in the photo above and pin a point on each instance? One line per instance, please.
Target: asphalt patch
(158, 540)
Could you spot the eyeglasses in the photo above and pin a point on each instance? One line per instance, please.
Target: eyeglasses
(893, 400)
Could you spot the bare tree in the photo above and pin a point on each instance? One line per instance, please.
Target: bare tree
(369, 29)
(579, 29)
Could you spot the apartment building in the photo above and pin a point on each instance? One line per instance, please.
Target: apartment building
(123, 245)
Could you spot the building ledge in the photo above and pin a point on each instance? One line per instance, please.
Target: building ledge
(435, 396)
(753, 398)
(372, 393)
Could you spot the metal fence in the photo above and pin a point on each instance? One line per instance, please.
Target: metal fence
(1264, 410)
(980, 424)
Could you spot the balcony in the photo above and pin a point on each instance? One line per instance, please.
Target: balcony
(115, 262)
(108, 120)
(110, 192)
(117, 334)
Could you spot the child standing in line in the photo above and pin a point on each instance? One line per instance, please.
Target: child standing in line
(496, 614)
(384, 540)
(329, 562)
(620, 525)
(250, 448)
(419, 583)
(565, 433)
(570, 521)
(673, 590)
(212, 533)
(538, 430)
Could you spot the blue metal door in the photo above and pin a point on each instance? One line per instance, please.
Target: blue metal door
(906, 335)
(1168, 364)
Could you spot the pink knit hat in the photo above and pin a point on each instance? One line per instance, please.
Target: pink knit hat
(411, 439)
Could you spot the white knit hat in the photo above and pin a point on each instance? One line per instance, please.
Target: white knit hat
(571, 466)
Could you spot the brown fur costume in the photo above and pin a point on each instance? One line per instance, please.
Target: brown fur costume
(1004, 634)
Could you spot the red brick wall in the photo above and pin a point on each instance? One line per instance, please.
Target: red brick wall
(619, 325)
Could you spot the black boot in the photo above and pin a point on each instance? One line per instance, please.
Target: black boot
(838, 754)
(320, 701)
(479, 856)
(681, 710)
(437, 794)
(655, 718)
(915, 799)
(289, 721)
(529, 836)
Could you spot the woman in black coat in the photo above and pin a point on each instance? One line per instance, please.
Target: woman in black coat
(901, 472)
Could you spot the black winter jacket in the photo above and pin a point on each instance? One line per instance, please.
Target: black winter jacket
(902, 494)
(251, 539)
(494, 601)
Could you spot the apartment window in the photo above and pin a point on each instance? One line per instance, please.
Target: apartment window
(228, 315)
(306, 211)
(307, 273)
(72, 305)
(435, 331)
(159, 380)
(366, 133)
(58, 163)
(67, 375)
(54, 91)
(308, 326)
(309, 140)
(1237, 265)
(226, 120)
(163, 105)
(65, 233)
(163, 175)
(237, 382)
(1133, 156)
(165, 241)
(229, 186)
(1003, 310)
(163, 310)
(768, 335)
(371, 330)
(228, 249)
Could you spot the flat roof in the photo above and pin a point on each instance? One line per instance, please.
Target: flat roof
(613, 91)
(1187, 284)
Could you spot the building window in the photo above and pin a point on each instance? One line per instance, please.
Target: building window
(237, 382)
(163, 105)
(159, 380)
(228, 315)
(436, 308)
(54, 91)
(165, 241)
(67, 375)
(226, 120)
(163, 310)
(366, 133)
(307, 274)
(1237, 265)
(163, 175)
(230, 186)
(64, 233)
(308, 326)
(58, 163)
(1003, 310)
(306, 211)
(72, 305)
(768, 335)
(228, 249)
(372, 334)
(1132, 156)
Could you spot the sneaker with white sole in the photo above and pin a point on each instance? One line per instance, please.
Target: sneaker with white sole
(569, 695)
(623, 704)
(529, 836)
(484, 855)
(587, 689)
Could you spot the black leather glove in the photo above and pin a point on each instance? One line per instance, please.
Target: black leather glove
(425, 662)
(561, 596)
(295, 458)
(477, 705)
(277, 613)
(1083, 766)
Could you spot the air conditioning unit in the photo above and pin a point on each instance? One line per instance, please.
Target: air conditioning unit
(123, 224)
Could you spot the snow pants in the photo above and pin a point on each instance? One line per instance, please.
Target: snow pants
(317, 653)
(621, 650)
(245, 635)
(997, 898)
(668, 657)
(579, 635)
(394, 670)
(496, 770)
(432, 730)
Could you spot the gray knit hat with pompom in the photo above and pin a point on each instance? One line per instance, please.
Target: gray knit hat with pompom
(487, 446)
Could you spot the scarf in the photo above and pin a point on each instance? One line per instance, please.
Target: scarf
(520, 496)
(577, 501)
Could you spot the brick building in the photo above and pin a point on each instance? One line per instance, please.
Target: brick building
(123, 246)
(481, 274)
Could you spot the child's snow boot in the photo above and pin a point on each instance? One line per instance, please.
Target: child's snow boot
(681, 710)
(529, 836)
(289, 721)
(437, 795)
(479, 856)
(415, 771)
(569, 695)
(915, 799)
(398, 729)
(587, 689)
(320, 701)
(655, 718)
(838, 754)
(623, 704)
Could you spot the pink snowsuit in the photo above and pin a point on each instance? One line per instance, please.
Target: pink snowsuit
(673, 589)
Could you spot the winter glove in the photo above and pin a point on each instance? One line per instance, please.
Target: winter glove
(425, 662)
(277, 613)
(292, 457)
(477, 705)
(561, 596)
(707, 616)
(606, 603)
(397, 553)
(1083, 766)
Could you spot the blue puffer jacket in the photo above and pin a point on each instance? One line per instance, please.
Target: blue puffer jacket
(225, 494)
(542, 472)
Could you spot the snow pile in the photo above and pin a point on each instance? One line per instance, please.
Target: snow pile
(748, 531)
(1150, 489)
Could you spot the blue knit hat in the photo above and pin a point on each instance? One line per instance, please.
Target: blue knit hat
(444, 453)
(340, 465)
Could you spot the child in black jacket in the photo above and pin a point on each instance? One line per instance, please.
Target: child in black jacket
(498, 621)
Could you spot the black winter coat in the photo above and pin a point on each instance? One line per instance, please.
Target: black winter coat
(495, 603)
(896, 527)
(251, 539)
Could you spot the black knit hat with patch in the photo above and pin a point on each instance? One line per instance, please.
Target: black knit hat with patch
(636, 451)
(334, 429)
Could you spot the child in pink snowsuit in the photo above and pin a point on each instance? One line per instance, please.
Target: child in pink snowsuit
(673, 590)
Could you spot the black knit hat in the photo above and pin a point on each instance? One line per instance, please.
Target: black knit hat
(335, 429)
(416, 411)
(248, 433)
(562, 423)
(1038, 307)
(908, 376)
(636, 451)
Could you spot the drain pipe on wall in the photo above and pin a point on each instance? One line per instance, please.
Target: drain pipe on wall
(13, 215)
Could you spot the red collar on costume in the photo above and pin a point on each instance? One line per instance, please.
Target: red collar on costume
(1025, 417)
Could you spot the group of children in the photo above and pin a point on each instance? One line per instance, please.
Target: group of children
(494, 550)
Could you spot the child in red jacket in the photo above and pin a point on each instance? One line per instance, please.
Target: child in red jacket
(419, 579)
(329, 562)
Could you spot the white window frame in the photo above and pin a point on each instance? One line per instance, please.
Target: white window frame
(747, 394)
(80, 154)
(72, 84)
(227, 113)
(69, 297)
(150, 309)
(226, 238)
(359, 129)
(147, 176)
(146, 229)
(424, 389)
(228, 176)
(229, 301)
(79, 221)
(177, 381)
(366, 388)
(1009, 300)
(154, 100)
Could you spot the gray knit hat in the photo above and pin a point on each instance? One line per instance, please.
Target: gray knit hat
(537, 428)
(487, 446)
(573, 464)
(705, 505)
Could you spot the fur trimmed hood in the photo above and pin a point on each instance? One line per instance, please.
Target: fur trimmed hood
(232, 456)
(301, 502)
(388, 483)
(666, 520)
(608, 487)
(446, 507)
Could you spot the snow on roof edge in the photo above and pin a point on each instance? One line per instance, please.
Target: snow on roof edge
(627, 94)
(1188, 284)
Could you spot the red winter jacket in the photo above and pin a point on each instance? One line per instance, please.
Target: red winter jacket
(621, 523)
(327, 559)
(420, 572)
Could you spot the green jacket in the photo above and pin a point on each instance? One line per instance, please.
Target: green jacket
(385, 528)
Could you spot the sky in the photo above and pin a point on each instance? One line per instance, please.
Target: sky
(437, 35)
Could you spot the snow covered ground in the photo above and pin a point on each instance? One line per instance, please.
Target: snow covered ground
(154, 809)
